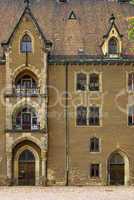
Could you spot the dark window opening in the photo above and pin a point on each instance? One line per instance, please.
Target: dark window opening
(94, 170)
(94, 82)
(94, 145)
(131, 82)
(94, 116)
(81, 116)
(131, 115)
(113, 46)
(81, 81)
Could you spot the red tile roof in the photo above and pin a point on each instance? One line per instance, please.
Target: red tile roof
(68, 36)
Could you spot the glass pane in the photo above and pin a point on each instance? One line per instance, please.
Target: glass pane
(94, 145)
(94, 116)
(26, 44)
(81, 81)
(116, 159)
(94, 170)
(94, 82)
(131, 81)
(81, 116)
(26, 156)
(113, 46)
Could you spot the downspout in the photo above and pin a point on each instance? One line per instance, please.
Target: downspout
(46, 99)
(66, 118)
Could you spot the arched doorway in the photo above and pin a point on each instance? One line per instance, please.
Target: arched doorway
(117, 169)
(26, 168)
(26, 163)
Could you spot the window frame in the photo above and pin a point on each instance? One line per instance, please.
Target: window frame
(127, 79)
(128, 125)
(99, 143)
(88, 125)
(26, 32)
(99, 167)
(77, 73)
(117, 43)
(33, 115)
(88, 81)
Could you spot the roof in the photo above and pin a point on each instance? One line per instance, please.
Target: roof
(70, 36)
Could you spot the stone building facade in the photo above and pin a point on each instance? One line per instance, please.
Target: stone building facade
(67, 92)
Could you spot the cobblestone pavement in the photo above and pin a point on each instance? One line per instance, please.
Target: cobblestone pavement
(67, 193)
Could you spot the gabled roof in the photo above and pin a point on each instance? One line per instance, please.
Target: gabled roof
(113, 24)
(27, 11)
(52, 20)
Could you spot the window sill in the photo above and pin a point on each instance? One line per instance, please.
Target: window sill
(97, 152)
(88, 91)
(95, 178)
(130, 91)
(88, 126)
(25, 131)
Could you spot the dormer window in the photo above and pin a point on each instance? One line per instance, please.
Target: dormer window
(113, 46)
(26, 44)
(112, 40)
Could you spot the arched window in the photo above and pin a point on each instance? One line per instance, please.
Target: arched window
(113, 46)
(81, 116)
(131, 81)
(25, 85)
(81, 81)
(94, 82)
(25, 119)
(116, 159)
(26, 155)
(94, 145)
(26, 44)
(131, 115)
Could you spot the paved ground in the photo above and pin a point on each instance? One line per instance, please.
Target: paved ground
(67, 193)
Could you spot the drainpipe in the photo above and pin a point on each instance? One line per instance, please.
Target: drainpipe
(66, 118)
(46, 96)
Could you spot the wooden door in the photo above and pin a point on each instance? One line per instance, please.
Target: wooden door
(117, 174)
(26, 167)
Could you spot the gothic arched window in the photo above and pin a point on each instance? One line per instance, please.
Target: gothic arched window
(26, 44)
(25, 85)
(25, 119)
(113, 46)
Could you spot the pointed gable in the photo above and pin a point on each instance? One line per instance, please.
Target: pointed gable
(114, 36)
(27, 15)
(72, 16)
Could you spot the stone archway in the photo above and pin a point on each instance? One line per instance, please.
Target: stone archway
(25, 165)
(118, 169)
(26, 168)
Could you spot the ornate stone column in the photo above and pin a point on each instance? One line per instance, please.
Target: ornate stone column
(43, 166)
(9, 167)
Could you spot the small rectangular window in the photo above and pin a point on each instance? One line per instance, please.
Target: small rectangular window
(94, 145)
(95, 170)
(81, 116)
(81, 81)
(131, 115)
(94, 82)
(131, 82)
(94, 116)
